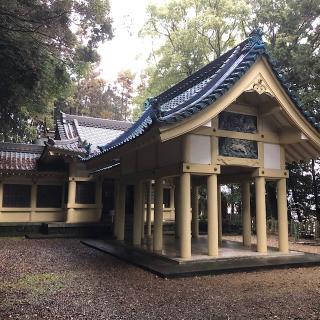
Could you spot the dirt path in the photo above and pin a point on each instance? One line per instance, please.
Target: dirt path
(62, 279)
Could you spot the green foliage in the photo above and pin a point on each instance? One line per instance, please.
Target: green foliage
(191, 33)
(292, 31)
(93, 96)
(42, 45)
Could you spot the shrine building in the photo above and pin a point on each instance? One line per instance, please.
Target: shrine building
(233, 121)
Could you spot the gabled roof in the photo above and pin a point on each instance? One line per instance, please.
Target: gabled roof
(80, 130)
(73, 146)
(19, 156)
(203, 88)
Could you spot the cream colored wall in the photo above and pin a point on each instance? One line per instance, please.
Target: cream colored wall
(32, 213)
(80, 213)
(268, 140)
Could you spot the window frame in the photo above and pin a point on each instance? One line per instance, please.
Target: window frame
(7, 198)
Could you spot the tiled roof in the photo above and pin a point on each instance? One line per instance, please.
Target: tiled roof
(203, 88)
(18, 156)
(89, 130)
(71, 145)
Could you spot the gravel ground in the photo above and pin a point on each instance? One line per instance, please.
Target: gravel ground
(62, 279)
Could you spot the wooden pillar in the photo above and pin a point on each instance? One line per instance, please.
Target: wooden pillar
(33, 200)
(177, 210)
(121, 208)
(185, 217)
(72, 185)
(158, 215)
(149, 189)
(246, 215)
(213, 228)
(219, 215)
(195, 212)
(282, 215)
(171, 201)
(71, 198)
(137, 214)
(261, 215)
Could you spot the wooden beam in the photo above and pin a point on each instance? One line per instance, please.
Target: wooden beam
(267, 137)
(202, 169)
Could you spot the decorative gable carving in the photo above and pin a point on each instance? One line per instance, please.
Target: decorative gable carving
(260, 86)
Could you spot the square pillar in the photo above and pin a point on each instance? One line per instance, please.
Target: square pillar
(149, 191)
(137, 212)
(195, 212)
(246, 215)
(213, 228)
(158, 216)
(185, 216)
(261, 219)
(282, 215)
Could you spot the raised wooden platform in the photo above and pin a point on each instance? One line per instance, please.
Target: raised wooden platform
(167, 267)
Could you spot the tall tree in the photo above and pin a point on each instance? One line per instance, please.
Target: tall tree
(292, 33)
(93, 96)
(191, 34)
(42, 45)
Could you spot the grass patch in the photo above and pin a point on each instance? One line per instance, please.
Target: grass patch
(32, 287)
(15, 238)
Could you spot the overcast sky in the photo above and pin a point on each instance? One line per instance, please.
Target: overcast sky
(126, 50)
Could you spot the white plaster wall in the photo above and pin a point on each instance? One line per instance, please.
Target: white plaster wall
(272, 156)
(200, 149)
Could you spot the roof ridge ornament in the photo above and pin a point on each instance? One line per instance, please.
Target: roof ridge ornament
(152, 105)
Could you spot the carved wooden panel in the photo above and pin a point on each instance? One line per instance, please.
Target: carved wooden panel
(239, 148)
(237, 122)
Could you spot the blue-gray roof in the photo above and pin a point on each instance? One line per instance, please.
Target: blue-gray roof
(202, 88)
(88, 130)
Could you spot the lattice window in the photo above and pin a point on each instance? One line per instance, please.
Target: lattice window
(16, 195)
(85, 192)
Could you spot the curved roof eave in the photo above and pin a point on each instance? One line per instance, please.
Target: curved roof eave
(226, 73)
